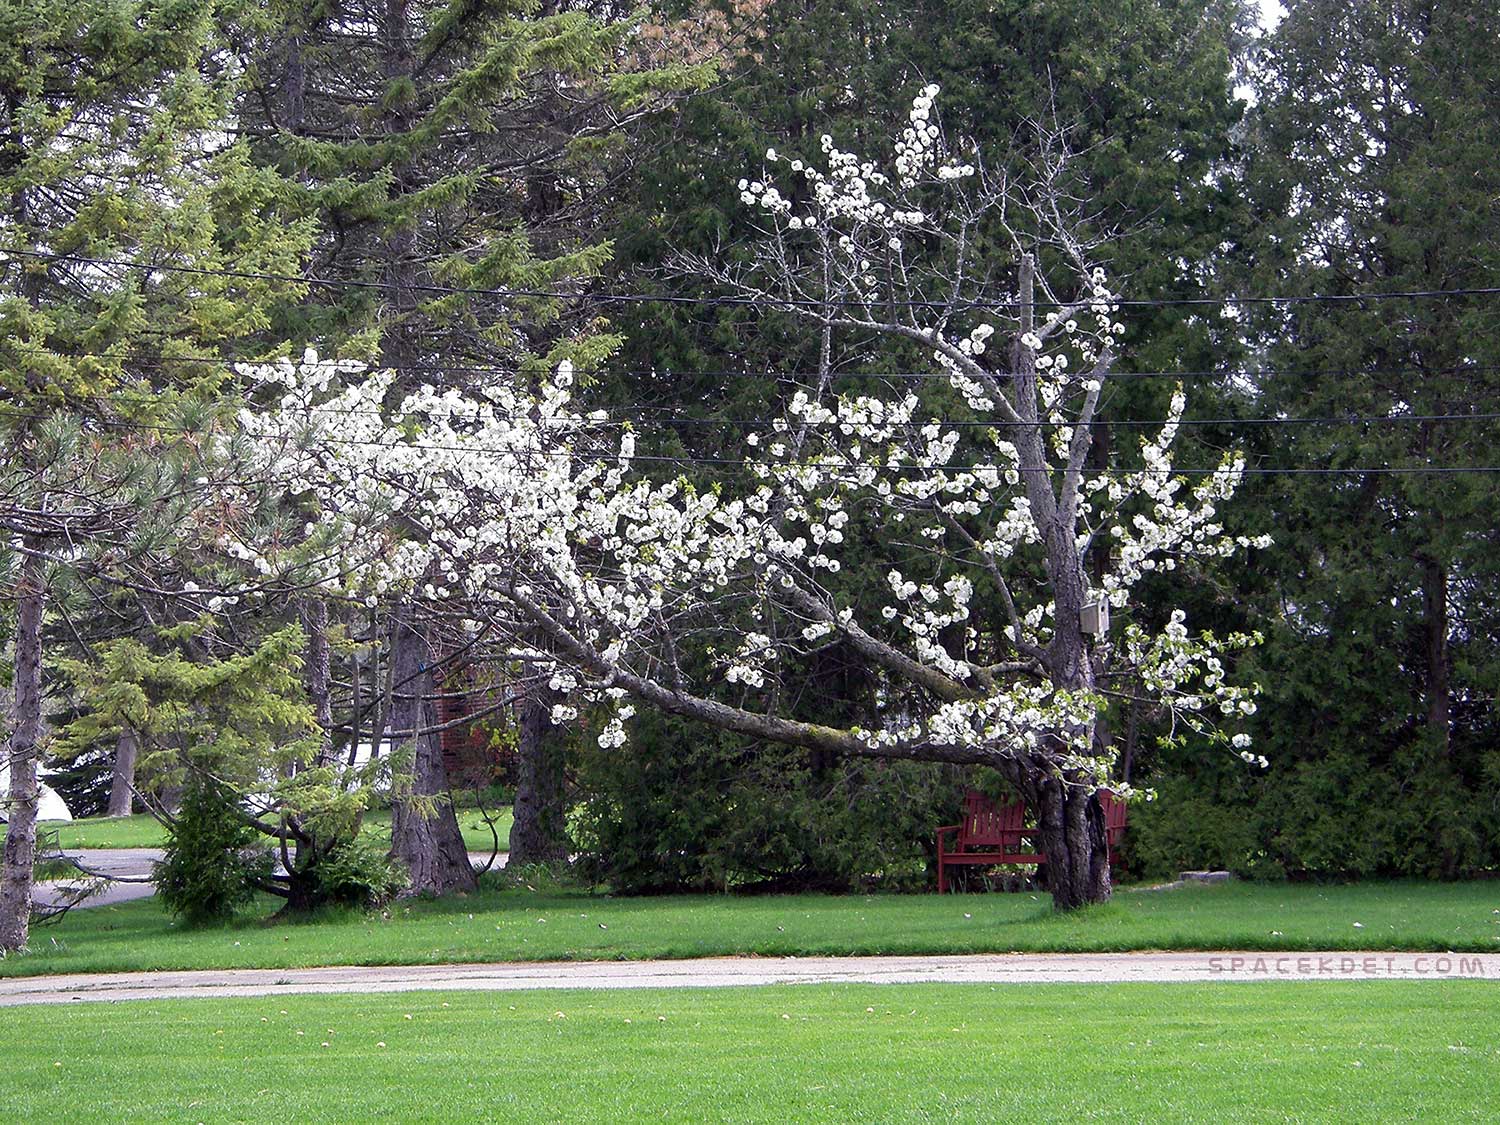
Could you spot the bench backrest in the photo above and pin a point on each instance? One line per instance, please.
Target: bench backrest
(985, 823)
(988, 824)
(1114, 816)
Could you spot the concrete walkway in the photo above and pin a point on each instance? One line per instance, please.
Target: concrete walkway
(135, 864)
(710, 972)
(112, 863)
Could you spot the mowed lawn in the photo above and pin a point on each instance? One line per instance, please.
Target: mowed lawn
(1365, 1051)
(144, 831)
(519, 924)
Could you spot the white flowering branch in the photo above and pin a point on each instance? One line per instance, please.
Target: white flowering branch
(513, 508)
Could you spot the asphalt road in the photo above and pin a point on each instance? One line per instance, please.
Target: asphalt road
(123, 864)
(711, 972)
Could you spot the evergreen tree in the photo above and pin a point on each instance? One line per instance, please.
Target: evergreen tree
(112, 161)
(451, 154)
(1372, 170)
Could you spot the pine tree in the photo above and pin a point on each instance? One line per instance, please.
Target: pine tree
(112, 162)
(453, 155)
(1372, 171)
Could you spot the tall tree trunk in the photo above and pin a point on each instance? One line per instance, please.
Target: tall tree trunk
(1071, 821)
(25, 741)
(319, 674)
(1073, 838)
(122, 775)
(294, 82)
(1435, 613)
(396, 335)
(538, 832)
(424, 830)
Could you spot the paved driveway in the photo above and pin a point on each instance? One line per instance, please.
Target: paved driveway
(126, 866)
(1009, 968)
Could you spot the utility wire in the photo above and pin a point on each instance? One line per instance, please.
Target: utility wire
(608, 297)
(684, 459)
(619, 419)
(796, 377)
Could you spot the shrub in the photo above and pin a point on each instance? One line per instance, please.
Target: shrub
(1339, 812)
(359, 873)
(692, 809)
(213, 860)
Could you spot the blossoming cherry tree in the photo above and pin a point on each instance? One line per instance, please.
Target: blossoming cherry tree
(996, 538)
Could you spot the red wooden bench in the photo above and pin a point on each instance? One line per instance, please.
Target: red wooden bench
(991, 834)
(1114, 823)
(988, 835)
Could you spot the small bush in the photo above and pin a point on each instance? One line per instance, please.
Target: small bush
(359, 873)
(212, 861)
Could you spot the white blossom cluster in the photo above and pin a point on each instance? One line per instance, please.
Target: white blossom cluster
(511, 503)
(1177, 521)
(512, 498)
(1189, 672)
(847, 190)
(865, 451)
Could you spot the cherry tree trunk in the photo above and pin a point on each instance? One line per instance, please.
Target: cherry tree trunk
(424, 830)
(21, 798)
(1073, 838)
(538, 832)
(1070, 818)
(122, 774)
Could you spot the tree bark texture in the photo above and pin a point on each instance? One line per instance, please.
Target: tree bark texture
(538, 831)
(122, 774)
(431, 846)
(397, 345)
(1070, 817)
(319, 674)
(1073, 838)
(1435, 613)
(21, 804)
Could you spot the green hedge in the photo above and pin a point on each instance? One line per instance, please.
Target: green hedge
(691, 808)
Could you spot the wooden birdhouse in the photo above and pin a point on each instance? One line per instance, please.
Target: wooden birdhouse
(1094, 617)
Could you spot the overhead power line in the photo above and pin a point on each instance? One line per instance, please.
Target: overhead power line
(757, 301)
(689, 460)
(626, 415)
(799, 377)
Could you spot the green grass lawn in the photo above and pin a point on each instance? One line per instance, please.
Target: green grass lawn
(139, 831)
(507, 925)
(144, 831)
(1366, 1051)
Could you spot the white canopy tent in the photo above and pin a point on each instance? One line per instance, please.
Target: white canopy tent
(49, 805)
